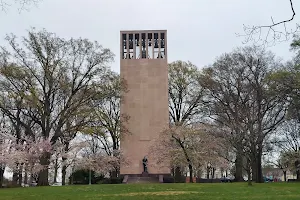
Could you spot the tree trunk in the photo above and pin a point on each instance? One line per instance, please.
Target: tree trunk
(113, 174)
(71, 180)
(15, 175)
(298, 174)
(177, 174)
(15, 178)
(173, 171)
(259, 177)
(254, 169)
(238, 176)
(90, 177)
(2, 169)
(55, 170)
(118, 172)
(248, 169)
(20, 176)
(207, 172)
(199, 173)
(43, 174)
(213, 173)
(63, 175)
(191, 173)
(30, 177)
(249, 176)
(284, 176)
(26, 176)
(43, 178)
(63, 171)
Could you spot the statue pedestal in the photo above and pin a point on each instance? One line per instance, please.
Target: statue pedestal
(145, 174)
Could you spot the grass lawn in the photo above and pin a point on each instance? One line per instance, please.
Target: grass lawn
(230, 191)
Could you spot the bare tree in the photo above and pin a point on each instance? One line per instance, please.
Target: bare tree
(12, 99)
(288, 141)
(283, 163)
(60, 80)
(243, 101)
(185, 93)
(223, 83)
(22, 4)
(107, 120)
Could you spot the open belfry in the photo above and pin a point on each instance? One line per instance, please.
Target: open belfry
(144, 69)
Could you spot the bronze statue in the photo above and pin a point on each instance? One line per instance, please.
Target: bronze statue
(145, 161)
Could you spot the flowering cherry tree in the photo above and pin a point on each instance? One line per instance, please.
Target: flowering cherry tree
(26, 153)
(100, 162)
(186, 146)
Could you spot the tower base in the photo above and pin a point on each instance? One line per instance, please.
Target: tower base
(144, 178)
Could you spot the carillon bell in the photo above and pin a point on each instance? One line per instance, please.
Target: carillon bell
(124, 36)
(144, 53)
(156, 44)
(162, 44)
(130, 36)
(130, 44)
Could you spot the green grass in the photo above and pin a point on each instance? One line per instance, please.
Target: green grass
(228, 191)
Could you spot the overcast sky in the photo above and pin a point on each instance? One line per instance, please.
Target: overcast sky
(198, 30)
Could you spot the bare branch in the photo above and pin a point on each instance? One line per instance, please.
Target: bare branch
(23, 4)
(272, 35)
(284, 21)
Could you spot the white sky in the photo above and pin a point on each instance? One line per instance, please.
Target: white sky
(198, 30)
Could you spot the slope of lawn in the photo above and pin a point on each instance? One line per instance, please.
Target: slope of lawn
(230, 191)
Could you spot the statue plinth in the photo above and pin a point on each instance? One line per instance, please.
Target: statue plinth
(145, 174)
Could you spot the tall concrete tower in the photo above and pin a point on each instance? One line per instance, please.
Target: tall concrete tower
(144, 67)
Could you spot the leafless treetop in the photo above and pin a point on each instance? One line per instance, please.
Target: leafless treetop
(22, 4)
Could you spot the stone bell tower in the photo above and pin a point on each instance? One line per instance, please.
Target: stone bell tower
(144, 67)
